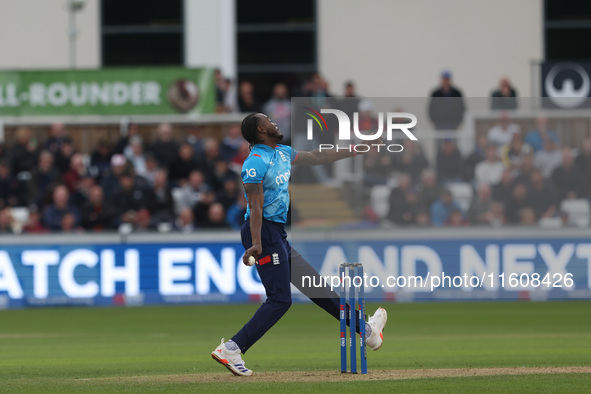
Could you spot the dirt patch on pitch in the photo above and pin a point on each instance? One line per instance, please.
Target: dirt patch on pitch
(329, 376)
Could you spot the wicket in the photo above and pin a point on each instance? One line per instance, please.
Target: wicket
(356, 316)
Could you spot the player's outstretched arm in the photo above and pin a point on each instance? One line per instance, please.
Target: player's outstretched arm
(324, 156)
(255, 196)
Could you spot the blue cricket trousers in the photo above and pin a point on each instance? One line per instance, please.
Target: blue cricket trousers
(277, 262)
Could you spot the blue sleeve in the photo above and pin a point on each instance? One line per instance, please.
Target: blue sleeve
(253, 169)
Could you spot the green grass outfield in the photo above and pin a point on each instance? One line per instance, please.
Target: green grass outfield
(475, 347)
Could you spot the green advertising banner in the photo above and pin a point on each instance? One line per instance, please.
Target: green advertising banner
(139, 91)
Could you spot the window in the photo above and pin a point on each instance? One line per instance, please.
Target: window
(142, 32)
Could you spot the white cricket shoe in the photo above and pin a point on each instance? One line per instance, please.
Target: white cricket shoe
(230, 359)
(377, 323)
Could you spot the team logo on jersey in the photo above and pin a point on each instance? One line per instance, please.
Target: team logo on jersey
(282, 178)
(251, 173)
(283, 157)
(275, 258)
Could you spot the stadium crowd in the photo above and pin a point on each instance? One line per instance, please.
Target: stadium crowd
(516, 177)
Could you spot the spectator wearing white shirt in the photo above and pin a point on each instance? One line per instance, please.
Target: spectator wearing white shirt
(502, 133)
(549, 158)
(489, 171)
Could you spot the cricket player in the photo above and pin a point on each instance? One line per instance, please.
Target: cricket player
(265, 174)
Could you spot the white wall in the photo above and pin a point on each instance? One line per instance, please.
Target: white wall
(35, 34)
(399, 47)
(210, 35)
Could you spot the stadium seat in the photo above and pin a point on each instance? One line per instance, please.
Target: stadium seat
(578, 211)
(380, 200)
(462, 194)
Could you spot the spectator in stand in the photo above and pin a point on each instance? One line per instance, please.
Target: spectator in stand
(542, 195)
(246, 99)
(11, 194)
(64, 156)
(42, 179)
(132, 130)
(477, 155)
(69, 224)
(512, 154)
(52, 215)
(56, 138)
(235, 214)
(231, 142)
(165, 148)
(278, 108)
(183, 164)
(33, 225)
(128, 199)
(489, 171)
(519, 200)
(6, 221)
(423, 219)
(407, 211)
(100, 160)
(583, 164)
(429, 190)
(143, 221)
(240, 157)
(97, 213)
(503, 190)
(377, 166)
(441, 208)
(134, 152)
(75, 173)
(184, 222)
(524, 171)
(229, 193)
(411, 160)
(23, 155)
(505, 97)
(230, 99)
(110, 181)
(210, 156)
(479, 212)
(502, 133)
(549, 158)
(201, 209)
(151, 169)
(219, 174)
(219, 90)
(82, 190)
(187, 196)
(159, 200)
(535, 138)
(497, 215)
(350, 101)
(319, 91)
(216, 217)
(450, 165)
(446, 107)
(398, 196)
(527, 217)
(567, 178)
(196, 140)
(456, 219)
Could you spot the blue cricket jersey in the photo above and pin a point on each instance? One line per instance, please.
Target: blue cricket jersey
(272, 168)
